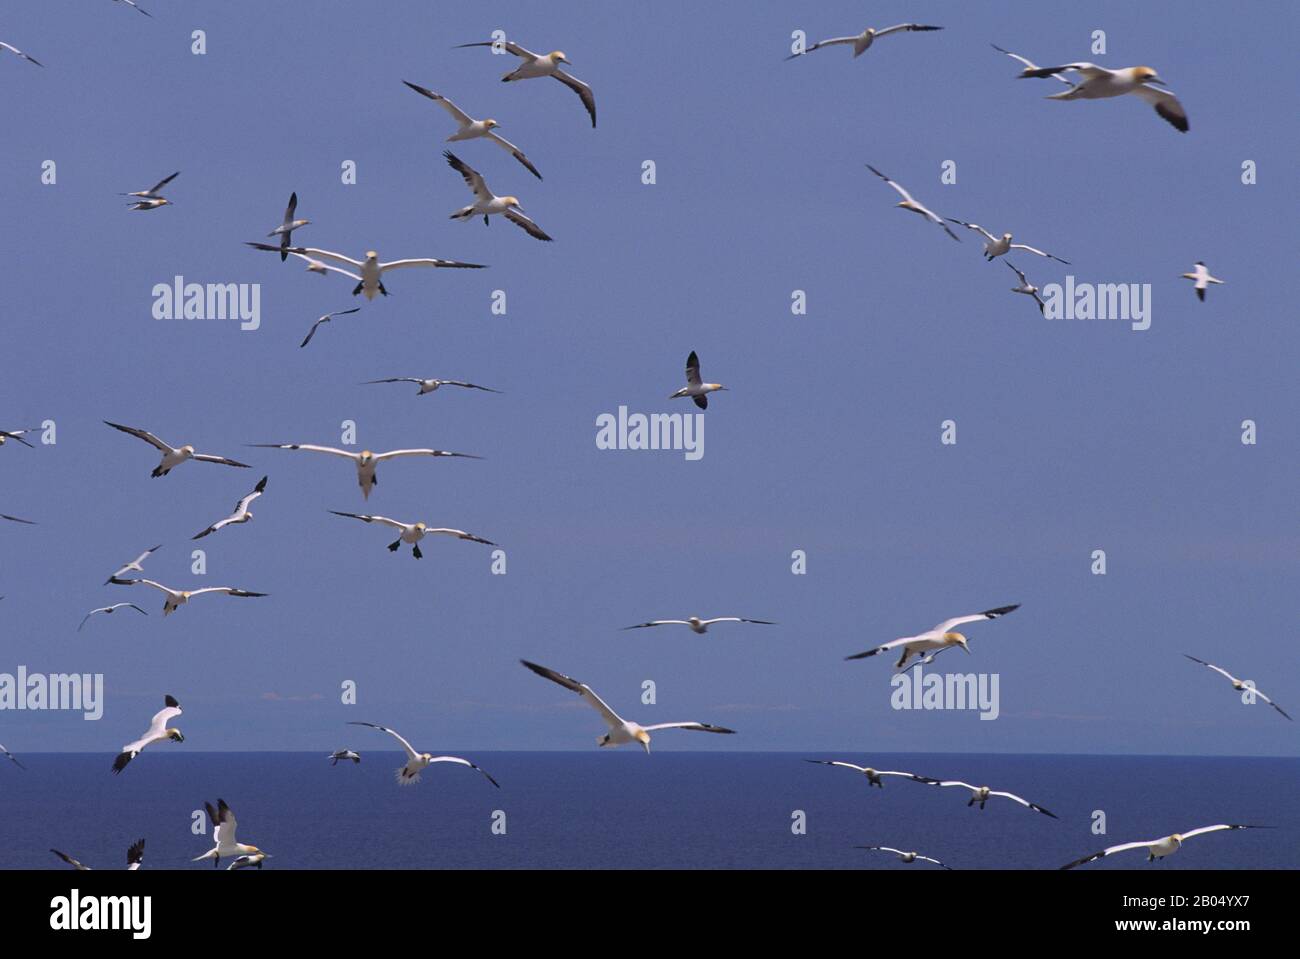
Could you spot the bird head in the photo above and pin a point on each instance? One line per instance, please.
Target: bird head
(187, 450)
(371, 255)
(514, 202)
(427, 757)
(367, 456)
(175, 735)
(1177, 838)
(716, 386)
(956, 639)
(421, 527)
(490, 123)
(694, 620)
(559, 57)
(1147, 75)
(643, 738)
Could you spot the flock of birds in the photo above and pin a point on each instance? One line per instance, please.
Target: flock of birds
(1092, 82)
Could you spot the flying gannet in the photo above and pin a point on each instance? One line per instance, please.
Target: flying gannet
(135, 565)
(328, 316)
(17, 435)
(111, 609)
(11, 757)
(158, 732)
(242, 513)
(1159, 848)
(429, 386)
(940, 637)
(908, 857)
(225, 845)
(414, 532)
(369, 270)
(139, 9)
(998, 245)
(152, 199)
(982, 794)
(698, 625)
(285, 230)
(1098, 83)
(1201, 276)
(134, 856)
(908, 203)
(409, 774)
(694, 388)
(365, 460)
(14, 50)
(344, 754)
(177, 598)
(541, 65)
(173, 456)
(621, 731)
(1242, 686)
(470, 129)
(862, 41)
(1026, 287)
(873, 775)
(486, 203)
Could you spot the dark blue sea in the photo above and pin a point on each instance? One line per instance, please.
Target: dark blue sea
(627, 810)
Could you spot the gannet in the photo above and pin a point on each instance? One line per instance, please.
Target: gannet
(539, 65)
(862, 41)
(242, 514)
(15, 519)
(414, 532)
(11, 757)
(694, 388)
(1159, 848)
(470, 129)
(1238, 684)
(328, 316)
(621, 731)
(111, 609)
(982, 794)
(429, 386)
(873, 775)
(486, 203)
(940, 637)
(365, 460)
(224, 843)
(173, 456)
(908, 857)
(152, 192)
(12, 49)
(132, 3)
(17, 435)
(179, 597)
(370, 270)
(76, 864)
(135, 565)
(134, 856)
(1099, 83)
(698, 625)
(910, 204)
(1026, 288)
(998, 245)
(343, 754)
(152, 203)
(158, 732)
(409, 774)
(1202, 277)
(285, 230)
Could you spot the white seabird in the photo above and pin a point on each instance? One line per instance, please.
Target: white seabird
(409, 774)
(158, 732)
(134, 856)
(903, 856)
(285, 230)
(11, 757)
(328, 316)
(1201, 275)
(414, 532)
(621, 731)
(470, 129)
(695, 388)
(486, 203)
(135, 565)
(177, 598)
(152, 193)
(698, 625)
(873, 775)
(224, 843)
(17, 435)
(982, 794)
(371, 269)
(908, 203)
(14, 50)
(1026, 288)
(110, 609)
(1098, 83)
(342, 755)
(998, 245)
(1159, 848)
(1238, 684)
(173, 456)
(940, 637)
(430, 385)
(862, 42)
(242, 514)
(542, 65)
(365, 460)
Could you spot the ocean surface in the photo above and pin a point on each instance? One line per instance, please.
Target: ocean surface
(624, 809)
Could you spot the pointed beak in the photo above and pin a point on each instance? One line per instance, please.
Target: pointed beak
(1156, 80)
(967, 648)
(646, 747)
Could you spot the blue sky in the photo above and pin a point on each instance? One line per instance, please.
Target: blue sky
(1072, 436)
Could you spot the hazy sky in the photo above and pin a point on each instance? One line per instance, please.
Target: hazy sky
(1072, 435)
